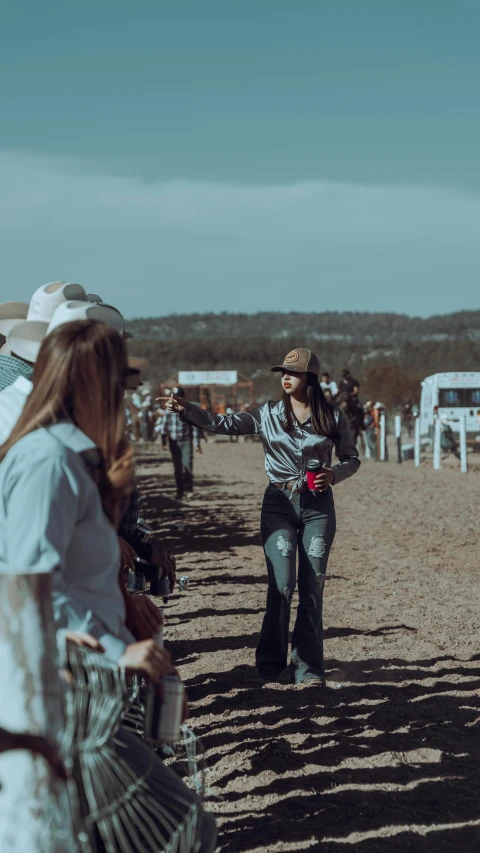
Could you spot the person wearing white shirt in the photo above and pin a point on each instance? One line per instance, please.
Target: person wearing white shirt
(328, 384)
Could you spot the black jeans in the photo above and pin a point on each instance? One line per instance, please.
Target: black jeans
(182, 456)
(291, 522)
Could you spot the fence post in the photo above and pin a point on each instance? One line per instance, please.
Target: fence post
(417, 442)
(436, 444)
(382, 437)
(463, 444)
(35, 813)
(398, 436)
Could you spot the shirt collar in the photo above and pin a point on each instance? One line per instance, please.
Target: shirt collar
(23, 384)
(72, 437)
(279, 409)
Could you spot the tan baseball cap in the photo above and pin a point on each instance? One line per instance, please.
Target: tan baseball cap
(300, 360)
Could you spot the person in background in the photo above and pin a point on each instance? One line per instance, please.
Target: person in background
(159, 416)
(181, 437)
(329, 385)
(370, 430)
(14, 369)
(408, 417)
(24, 339)
(230, 411)
(131, 544)
(349, 385)
(146, 416)
(447, 440)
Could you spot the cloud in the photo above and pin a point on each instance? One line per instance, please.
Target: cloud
(215, 246)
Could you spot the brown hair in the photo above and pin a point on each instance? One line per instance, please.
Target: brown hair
(321, 411)
(79, 376)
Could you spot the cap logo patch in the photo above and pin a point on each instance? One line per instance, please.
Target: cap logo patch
(292, 357)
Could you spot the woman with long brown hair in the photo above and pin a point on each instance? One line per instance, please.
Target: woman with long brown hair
(300, 428)
(64, 473)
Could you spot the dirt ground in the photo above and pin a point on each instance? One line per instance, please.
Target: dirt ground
(386, 758)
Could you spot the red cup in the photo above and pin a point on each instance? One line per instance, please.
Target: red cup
(313, 470)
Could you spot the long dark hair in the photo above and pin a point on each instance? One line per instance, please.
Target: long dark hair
(322, 412)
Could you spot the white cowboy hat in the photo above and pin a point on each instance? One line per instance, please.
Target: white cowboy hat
(10, 314)
(43, 304)
(93, 297)
(26, 338)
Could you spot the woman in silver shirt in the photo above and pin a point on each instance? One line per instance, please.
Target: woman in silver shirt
(300, 427)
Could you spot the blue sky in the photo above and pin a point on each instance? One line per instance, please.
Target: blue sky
(243, 154)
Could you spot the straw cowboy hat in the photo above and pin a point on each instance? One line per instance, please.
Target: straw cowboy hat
(25, 338)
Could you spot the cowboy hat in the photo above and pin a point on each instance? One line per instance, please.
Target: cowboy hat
(10, 314)
(93, 297)
(26, 338)
(42, 307)
(137, 368)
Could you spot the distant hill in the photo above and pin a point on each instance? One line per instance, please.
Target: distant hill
(388, 353)
(347, 327)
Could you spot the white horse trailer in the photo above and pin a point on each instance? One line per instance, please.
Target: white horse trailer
(450, 395)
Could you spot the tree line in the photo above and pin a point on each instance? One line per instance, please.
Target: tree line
(388, 371)
(347, 327)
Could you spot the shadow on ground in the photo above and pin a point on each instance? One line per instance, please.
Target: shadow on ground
(414, 744)
(386, 759)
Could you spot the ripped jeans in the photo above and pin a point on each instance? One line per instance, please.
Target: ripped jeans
(305, 523)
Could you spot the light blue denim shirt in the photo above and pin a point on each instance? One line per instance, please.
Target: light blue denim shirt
(52, 520)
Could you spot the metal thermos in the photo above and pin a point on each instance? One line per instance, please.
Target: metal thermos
(163, 714)
(144, 531)
(136, 581)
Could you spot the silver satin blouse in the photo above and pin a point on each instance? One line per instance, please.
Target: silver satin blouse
(286, 454)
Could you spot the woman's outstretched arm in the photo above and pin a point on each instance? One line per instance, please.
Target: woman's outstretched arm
(241, 423)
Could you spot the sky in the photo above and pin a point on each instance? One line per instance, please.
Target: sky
(242, 155)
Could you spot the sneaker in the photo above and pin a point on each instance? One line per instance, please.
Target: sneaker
(312, 681)
(188, 495)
